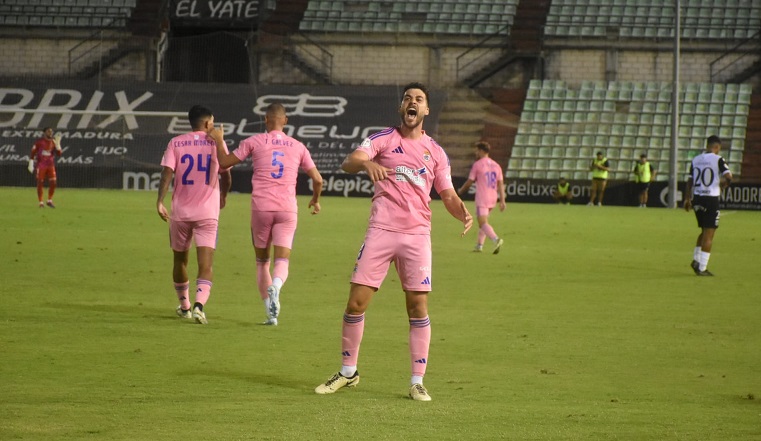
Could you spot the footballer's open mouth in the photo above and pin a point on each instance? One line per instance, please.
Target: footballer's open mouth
(411, 114)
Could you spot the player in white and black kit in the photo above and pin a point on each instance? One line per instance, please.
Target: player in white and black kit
(709, 175)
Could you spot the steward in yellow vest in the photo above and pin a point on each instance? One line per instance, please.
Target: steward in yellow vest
(644, 175)
(562, 192)
(599, 168)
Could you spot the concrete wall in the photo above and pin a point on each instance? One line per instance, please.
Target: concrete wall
(379, 62)
(49, 57)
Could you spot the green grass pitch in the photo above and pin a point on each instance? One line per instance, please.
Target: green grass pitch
(589, 325)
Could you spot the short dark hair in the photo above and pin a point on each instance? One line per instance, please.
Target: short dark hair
(713, 139)
(197, 114)
(644, 155)
(601, 153)
(417, 85)
(483, 146)
(275, 109)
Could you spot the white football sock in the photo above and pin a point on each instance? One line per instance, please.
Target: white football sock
(704, 260)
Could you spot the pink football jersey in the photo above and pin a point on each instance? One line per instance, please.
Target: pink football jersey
(276, 159)
(401, 202)
(487, 176)
(193, 157)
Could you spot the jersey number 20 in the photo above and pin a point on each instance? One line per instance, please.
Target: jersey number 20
(703, 177)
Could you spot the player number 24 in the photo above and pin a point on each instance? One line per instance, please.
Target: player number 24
(203, 166)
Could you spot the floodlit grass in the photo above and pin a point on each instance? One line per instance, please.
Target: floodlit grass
(590, 325)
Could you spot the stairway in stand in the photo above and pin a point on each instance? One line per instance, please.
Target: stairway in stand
(502, 123)
(466, 118)
(751, 165)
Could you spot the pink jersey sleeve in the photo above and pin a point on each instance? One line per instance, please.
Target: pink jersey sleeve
(244, 149)
(443, 172)
(374, 143)
(306, 161)
(168, 160)
(474, 171)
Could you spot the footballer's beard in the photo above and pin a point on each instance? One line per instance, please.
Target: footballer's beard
(412, 121)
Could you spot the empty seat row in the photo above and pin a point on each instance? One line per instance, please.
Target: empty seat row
(706, 19)
(580, 121)
(645, 86)
(65, 10)
(393, 17)
(439, 28)
(62, 21)
(72, 3)
(480, 17)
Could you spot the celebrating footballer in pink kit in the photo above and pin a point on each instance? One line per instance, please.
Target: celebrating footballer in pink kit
(198, 195)
(404, 163)
(487, 175)
(276, 159)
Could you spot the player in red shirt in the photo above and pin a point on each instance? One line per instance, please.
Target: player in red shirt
(43, 153)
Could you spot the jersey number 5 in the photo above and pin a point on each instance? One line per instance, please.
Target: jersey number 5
(200, 164)
(278, 164)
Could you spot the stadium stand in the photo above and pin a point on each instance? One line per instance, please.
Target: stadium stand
(478, 17)
(66, 13)
(645, 19)
(561, 128)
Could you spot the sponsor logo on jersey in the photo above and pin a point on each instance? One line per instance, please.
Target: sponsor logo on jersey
(404, 173)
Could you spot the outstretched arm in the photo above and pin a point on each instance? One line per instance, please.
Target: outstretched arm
(456, 208)
(225, 183)
(57, 142)
(501, 190)
(226, 160)
(727, 180)
(166, 178)
(465, 187)
(688, 195)
(32, 155)
(316, 178)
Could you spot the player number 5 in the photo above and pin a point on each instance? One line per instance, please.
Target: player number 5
(278, 164)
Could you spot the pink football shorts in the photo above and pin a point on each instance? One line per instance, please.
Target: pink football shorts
(181, 234)
(273, 227)
(483, 211)
(411, 254)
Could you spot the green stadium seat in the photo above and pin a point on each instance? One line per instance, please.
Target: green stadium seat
(739, 132)
(741, 121)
